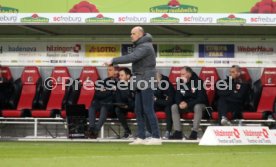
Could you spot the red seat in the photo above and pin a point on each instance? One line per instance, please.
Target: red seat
(130, 115)
(215, 115)
(210, 77)
(59, 77)
(245, 75)
(29, 78)
(174, 75)
(268, 95)
(89, 75)
(6, 73)
(160, 115)
(268, 80)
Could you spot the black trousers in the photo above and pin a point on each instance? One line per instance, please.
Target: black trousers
(226, 104)
(103, 109)
(167, 110)
(120, 112)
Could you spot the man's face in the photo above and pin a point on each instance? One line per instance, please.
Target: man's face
(123, 76)
(135, 34)
(234, 73)
(111, 71)
(185, 76)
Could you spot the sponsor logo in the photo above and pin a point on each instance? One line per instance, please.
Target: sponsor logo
(53, 61)
(4, 9)
(35, 19)
(132, 19)
(197, 19)
(164, 19)
(255, 49)
(64, 49)
(200, 61)
(270, 72)
(174, 6)
(5, 18)
(231, 19)
(217, 61)
(258, 134)
(263, 19)
(88, 71)
(21, 49)
(99, 19)
(67, 19)
(228, 133)
(29, 71)
(176, 72)
(208, 72)
(59, 71)
(259, 62)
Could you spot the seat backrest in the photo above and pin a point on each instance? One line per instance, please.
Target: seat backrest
(88, 77)
(245, 75)
(268, 95)
(6, 73)
(174, 75)
(210, 76)
(60, 76)
(29, 80)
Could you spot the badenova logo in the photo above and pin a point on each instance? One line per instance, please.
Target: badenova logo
(174, 6)
(99, 19)
(232, 19)
(164, 19)
(4, 9)
(35, 19)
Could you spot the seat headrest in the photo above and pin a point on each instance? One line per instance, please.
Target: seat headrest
(89, 73)
(268, 77)
(6, 72)
(30, 75)
(59, 74)
(207, 73)
(245, 75)
(174, 74)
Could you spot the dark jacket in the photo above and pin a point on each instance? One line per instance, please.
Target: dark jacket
(125, 96)
(238, 92)
(192, 95)
(105, 90)
(143, 59)
(164, 98)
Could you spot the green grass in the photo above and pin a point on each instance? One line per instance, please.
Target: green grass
(42, 154)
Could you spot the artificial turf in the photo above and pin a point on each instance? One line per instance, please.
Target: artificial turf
(61, 154)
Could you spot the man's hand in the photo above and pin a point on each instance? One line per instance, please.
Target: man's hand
(183, 105)
(108, 63)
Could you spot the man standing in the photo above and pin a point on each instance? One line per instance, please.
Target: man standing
(143, 59)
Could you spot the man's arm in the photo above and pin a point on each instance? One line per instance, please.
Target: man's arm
(138, 54)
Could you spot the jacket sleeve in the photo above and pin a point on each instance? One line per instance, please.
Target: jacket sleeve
(239, 95)
(169, 100)
(198, 97)
(137, 54)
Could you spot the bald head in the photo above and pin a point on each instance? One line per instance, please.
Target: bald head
(136, 33)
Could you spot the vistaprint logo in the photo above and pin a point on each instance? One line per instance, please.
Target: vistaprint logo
(134, 84)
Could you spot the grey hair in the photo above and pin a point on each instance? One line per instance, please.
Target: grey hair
(236, 67)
